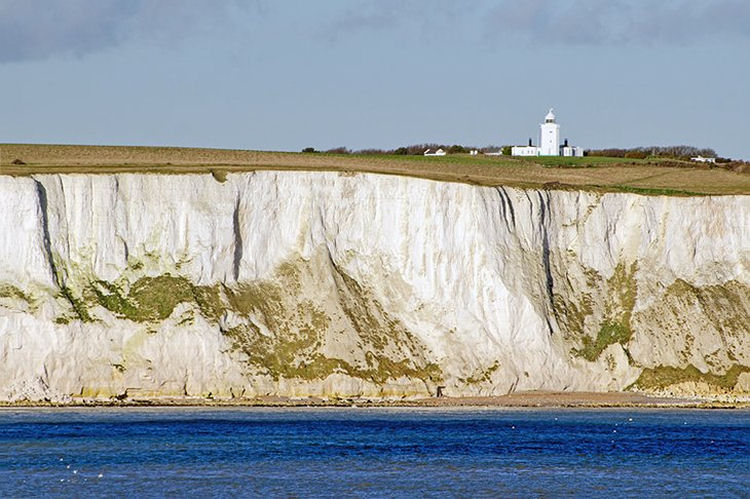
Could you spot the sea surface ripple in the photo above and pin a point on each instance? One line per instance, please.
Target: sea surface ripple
(357, 452)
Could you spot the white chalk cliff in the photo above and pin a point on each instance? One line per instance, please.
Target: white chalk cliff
(309, 283)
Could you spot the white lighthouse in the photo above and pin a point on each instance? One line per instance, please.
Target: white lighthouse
(549, 140)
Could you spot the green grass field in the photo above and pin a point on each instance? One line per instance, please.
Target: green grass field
(640, 176)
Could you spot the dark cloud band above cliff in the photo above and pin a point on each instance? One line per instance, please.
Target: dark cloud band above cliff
(38, 29)
(596, 22)
(32, 29)
(588, 22)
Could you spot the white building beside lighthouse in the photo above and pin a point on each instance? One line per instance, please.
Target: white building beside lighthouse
(549, 141)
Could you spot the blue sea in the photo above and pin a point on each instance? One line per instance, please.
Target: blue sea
(383, 452)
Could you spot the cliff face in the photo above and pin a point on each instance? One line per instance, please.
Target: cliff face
(138, 285)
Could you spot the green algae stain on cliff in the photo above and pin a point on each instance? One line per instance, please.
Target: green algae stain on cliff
(284, 354)
(383, 337)
(265, 298)
(725, 307)
(294, 330)
(609, 303)
(219, 175)
(482, 375)
(622, 292)
(288, 326)
(609, 334)
(210, 302)
(153, 299)
(661, 377)
(77, 304)
(719, 314)
(11, 291)
(14, 297)
(571, 315)
(572, 307)
(285, 335)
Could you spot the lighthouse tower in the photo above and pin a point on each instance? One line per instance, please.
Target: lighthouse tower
(549, 141)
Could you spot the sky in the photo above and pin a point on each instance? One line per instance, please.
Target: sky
(288, 74)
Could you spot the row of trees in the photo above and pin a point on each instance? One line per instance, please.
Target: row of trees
(674, 152)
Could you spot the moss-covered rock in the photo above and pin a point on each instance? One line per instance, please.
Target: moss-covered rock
(153, 299)
(661, 377)
(286, 335)
(611, 301)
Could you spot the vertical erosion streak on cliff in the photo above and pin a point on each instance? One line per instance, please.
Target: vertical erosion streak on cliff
(42, 199)
(116, 198)
(544, 210)
(237, 257)
(506, 206)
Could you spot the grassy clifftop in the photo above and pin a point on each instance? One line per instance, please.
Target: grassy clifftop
(589, 173)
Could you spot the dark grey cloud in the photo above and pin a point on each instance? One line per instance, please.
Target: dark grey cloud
(37, 29)
(34, 29)
(392, 15)
(606, 22)
(586, 22)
